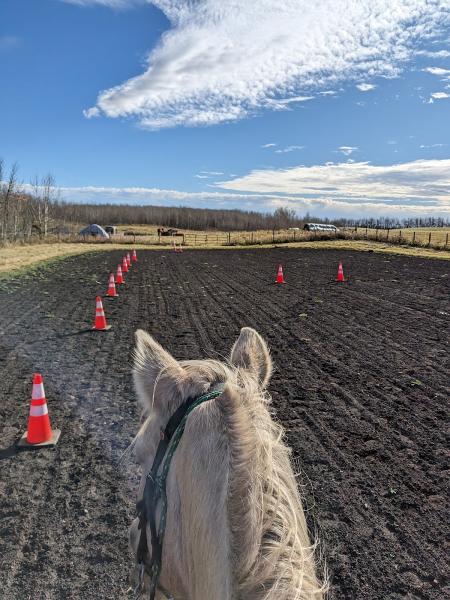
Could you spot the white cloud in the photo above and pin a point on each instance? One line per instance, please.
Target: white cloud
(222, 61)
(283, 103)
(421, 183)
(271, 145)
(289, 149)
(432, 145)
(347, 150)
(366, 87)
(212, 172)
(435, 54)
(202, 176)
(321, 202)
(107, 3)
(438, 71)
(91, 113)
(440, 95)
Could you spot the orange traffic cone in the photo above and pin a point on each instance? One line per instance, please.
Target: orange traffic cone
(133, 256)
(119, 276)
(280, 277)
(124, 265)
(39, 432)
(340, 275)
(112, 292)
(128, 260)
(100, 319)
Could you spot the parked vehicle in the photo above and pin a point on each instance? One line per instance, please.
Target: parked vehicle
(320, 227)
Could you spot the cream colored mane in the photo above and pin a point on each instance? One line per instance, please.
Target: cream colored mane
(235, 524)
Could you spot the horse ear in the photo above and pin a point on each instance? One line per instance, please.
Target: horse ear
(150, 359)
(250, 351)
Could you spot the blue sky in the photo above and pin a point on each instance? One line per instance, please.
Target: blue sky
(341, 109)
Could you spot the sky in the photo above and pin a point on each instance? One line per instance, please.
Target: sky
(339, 108)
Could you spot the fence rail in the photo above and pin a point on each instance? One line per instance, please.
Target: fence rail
(436, 238)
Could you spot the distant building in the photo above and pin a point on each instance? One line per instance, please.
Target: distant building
(94, 231)
(319, 227)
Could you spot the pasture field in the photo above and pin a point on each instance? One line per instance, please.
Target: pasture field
(360, 384)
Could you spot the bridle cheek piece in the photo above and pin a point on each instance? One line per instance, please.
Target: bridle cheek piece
(155, 491)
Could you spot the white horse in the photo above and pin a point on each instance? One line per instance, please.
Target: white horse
(235, 524)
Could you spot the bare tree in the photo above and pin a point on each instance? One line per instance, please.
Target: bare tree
(8, 192)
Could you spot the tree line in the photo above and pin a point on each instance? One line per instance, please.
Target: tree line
(40, 211)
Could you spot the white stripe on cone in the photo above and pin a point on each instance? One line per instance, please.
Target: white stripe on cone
(38, 411)
(38, 391)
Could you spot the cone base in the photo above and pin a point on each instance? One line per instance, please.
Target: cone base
(22, 443)
(107, 328)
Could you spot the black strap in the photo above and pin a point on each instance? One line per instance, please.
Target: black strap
(146, 507)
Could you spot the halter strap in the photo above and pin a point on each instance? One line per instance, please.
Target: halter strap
(155, 490)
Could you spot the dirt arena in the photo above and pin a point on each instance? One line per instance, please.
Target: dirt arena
(361, 385)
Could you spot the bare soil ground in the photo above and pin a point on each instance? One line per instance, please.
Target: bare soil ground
(361, 385)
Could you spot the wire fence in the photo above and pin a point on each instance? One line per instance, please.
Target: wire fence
(436, 238)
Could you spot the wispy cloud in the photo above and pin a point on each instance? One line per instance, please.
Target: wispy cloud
(289, 149)
(422, 184)
(225, 61)
(324, 190)
(440, 95)
(366, 87)
(347, 150)
(271, 145)
(107, 3)
(438, 71)
(432, 145)
(434, 54)
(91, 113)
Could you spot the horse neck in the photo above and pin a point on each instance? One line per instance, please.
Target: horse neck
(198, 534)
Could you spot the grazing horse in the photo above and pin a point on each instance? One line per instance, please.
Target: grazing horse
(234, 527)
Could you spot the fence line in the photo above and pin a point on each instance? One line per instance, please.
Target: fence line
(435, 239)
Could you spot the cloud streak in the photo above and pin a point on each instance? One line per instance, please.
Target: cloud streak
(319, 204)
(424, 183)
(225, 61)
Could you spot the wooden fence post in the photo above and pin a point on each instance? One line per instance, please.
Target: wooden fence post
(387, 235)
(273, 236)
(414, 237)
(429, 239)
(446, 240)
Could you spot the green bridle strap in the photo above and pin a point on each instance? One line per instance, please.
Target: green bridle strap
(161, 479)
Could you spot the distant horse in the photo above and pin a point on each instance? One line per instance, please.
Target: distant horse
(235, 527)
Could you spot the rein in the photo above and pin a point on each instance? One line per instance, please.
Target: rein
(155, 491)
